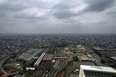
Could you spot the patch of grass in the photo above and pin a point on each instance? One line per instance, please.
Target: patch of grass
(40, 73)
(64, 69)
(61, 74)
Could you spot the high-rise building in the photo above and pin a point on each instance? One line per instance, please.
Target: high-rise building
(96, 71)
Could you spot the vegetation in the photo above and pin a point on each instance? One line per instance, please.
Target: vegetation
(21, 71)
(75, 58)
(39, 75)
(10, 76)
(113, 66)
(62, 45)
(64, 69)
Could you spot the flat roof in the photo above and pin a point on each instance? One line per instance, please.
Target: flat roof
(113, 58)
(33, 53)
(98, 68)
(48, 57)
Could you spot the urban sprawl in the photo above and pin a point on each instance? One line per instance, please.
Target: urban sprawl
(58, 55)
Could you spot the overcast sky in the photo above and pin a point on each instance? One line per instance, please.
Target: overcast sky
(57, 16)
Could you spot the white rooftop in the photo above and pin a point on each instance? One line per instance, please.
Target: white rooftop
(113, 58)
(98, 68)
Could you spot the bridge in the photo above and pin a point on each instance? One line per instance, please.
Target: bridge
(59, 57)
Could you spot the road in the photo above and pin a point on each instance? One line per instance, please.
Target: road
(1, 62)
(98, 60)
(54, 70)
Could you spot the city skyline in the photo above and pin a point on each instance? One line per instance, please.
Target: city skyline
(62, 16)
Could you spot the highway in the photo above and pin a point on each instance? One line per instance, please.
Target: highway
(7, 56)
(54, 70)
(1, 62)
(97, 57)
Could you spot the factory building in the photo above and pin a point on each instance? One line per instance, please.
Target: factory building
(28, 55)
(113, 59)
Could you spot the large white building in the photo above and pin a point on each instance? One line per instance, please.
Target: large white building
(96, 71)
(39, 59)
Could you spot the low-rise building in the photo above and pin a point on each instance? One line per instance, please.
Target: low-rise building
(113, 59)
(29, 68)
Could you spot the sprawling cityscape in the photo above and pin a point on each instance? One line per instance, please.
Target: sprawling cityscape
(57, 38)
(58, 55)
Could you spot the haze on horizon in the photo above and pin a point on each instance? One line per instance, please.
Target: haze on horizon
(57, 16)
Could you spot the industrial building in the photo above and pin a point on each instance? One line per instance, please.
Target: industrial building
(28, 55)
(113, 59)
(96, 71)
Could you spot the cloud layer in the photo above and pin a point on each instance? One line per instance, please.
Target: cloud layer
(62, 16)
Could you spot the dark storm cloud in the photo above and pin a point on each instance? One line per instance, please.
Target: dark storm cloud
(62, 9)
(111, 12)
(16, 5)
(6, 24)
(49, 16)
(30, 17)
(64, 14)
(62, 6)
(3, 14)
(102, 22)
(11, 5)
(98, 5)
(70, 21)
